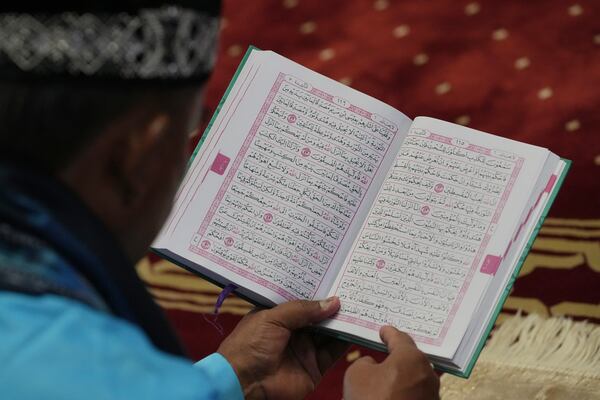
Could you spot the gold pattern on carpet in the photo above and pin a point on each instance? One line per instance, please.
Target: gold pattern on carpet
(176, 288)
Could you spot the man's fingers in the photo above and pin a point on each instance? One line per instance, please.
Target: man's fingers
(329, 350)
(334, 347)
(394, 339)
(367, 360)
(300, 313)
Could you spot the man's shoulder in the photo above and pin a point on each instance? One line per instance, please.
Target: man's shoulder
(60, 320)
(31, 266)
(50, 326)
(69, 348)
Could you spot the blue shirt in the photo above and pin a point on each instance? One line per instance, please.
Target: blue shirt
(75, 320)
(55, 348)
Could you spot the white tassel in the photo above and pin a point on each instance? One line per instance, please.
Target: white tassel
(554, 343)
(533, 358)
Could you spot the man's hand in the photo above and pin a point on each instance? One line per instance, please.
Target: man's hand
(404, 374)
(272, 359)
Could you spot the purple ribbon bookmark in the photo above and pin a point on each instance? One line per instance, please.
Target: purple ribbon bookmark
(212, 318)
(222, 296)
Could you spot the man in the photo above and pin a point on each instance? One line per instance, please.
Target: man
(95, 106)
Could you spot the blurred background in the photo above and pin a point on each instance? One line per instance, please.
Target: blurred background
(527, 70)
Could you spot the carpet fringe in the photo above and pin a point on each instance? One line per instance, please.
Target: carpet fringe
(547, 343)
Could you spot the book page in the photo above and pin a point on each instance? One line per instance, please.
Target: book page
(443, 218)
(285, 181)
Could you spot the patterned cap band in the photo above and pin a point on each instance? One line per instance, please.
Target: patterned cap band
(167, 43)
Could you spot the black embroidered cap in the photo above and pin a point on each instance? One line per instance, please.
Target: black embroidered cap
(127, 40)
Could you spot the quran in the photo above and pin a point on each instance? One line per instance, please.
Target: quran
(304, 188)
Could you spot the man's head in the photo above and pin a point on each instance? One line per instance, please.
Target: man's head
(122, 149)
(116, 135)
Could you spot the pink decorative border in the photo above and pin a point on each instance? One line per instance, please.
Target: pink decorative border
(233, 170)
(217, 136)
(238, 160)
(351, 107)
(466, 284)
(548, 189)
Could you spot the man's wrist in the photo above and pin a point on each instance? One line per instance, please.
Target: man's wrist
(220, 370)
(239, 371)
(249, 382)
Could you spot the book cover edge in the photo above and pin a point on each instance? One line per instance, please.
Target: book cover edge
(234, 79)
(524, 254)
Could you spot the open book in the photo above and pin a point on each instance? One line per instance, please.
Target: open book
(303, 188)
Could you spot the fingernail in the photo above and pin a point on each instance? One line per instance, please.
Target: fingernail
(326, 303)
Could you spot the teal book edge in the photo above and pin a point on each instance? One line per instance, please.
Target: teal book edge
(515, 274)
(355, 339)
(220, 105)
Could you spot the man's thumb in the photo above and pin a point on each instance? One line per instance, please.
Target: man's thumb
(300, 313)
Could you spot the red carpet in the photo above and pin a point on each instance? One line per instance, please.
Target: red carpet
(524, 70)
